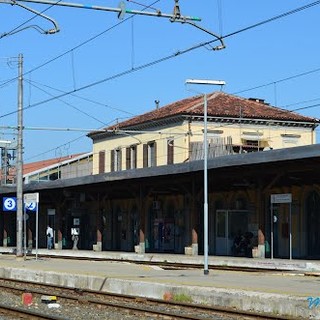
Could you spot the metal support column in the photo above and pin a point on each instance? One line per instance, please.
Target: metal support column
(19, 180)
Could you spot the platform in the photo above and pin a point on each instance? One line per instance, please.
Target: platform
(286, 288)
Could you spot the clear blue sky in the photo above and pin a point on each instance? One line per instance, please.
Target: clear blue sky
(266, 54)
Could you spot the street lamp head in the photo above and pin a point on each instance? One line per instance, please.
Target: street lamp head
(206, 82)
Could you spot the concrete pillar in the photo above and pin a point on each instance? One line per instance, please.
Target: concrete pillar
(194, 222)
(261, 244)
(193, 248)
(98, 245)
(5, 238)
(261, 221)
(58, 231)
(194, 242)
(30, 241)
(142, 213)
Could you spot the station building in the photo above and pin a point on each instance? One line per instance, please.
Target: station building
(145, 193)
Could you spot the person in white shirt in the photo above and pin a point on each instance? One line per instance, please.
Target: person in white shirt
(49, 238)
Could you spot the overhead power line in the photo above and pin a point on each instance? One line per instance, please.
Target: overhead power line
(37, 13)
(176, 16)
(280, 16)
(171, 56)
(121, 10)
(167, 57)
(68, 104)
(84, 98)
(203, 44)
(81, 44)
(280, 80)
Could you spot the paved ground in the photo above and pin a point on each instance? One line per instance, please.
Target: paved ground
(278, 292)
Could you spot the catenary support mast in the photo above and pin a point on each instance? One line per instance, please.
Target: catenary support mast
(19, 164)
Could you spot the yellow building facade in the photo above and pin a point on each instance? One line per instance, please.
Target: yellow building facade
(174, 133)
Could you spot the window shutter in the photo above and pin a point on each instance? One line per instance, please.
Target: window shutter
(102, 158)
(145, 155)
(120, 160)
(128, 158)
(112, 161)
(135, 157)
(155, 155)
(170, 152)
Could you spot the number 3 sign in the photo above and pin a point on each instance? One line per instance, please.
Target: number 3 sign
(9, 204)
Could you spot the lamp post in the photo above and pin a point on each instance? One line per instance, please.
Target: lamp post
(205, 166)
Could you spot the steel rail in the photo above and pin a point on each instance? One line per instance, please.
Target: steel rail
(170, 265)
(83, 295)
(18, 311)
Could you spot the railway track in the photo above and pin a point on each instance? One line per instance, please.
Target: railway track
(124, 306)
(15, 312)
(169, 265)
(177, 266)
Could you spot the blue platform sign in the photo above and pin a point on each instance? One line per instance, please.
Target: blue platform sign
(9, 203)
(31, 201)
(31, 206)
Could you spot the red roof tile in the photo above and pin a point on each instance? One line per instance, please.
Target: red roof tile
(219, 105)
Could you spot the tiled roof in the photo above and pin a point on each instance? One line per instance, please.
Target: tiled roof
(220, 105)
(34, 166)
(38, 165)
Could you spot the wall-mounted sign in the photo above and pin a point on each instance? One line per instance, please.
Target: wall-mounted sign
(281, 198)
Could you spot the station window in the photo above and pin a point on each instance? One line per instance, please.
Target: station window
(131, 157)
(116, 159)
(102, 155)
(170, 151)
(150, 154)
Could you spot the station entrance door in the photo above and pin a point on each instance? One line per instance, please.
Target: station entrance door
(229, 223)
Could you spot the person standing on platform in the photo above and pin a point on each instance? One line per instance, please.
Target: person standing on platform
(75, 238)
(49, 238)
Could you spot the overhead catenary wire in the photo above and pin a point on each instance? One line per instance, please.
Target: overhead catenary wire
(79, 45)
(86, 99)
(200, 44)
(305, 73)
(178, 53)
(132, 44)
(300, 102)
(194, 47)
(220, 19)
(203, 44)
(89, 100)
(36, 14)
(68, 104)
(158, 136)
(73, 70)
(167, 57)
(225, 125)
(121, 10)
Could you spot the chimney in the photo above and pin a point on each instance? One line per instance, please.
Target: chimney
(157, 103)
(257, 100)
